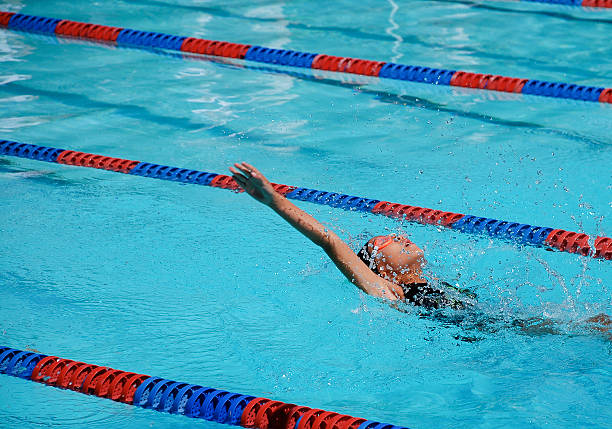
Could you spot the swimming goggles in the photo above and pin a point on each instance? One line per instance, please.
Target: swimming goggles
(382, 242)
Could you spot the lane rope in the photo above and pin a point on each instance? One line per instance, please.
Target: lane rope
(583, 3)
(173, 397)
(285, 57)
(580, 3)
(560, 239)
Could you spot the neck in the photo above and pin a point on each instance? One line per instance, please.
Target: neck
(416, 278)
(412, 276)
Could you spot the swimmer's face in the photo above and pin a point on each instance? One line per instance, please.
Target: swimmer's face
(397, 258)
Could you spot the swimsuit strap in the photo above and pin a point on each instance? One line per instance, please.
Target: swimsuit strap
(422, 294)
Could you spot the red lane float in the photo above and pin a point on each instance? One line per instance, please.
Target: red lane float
(347, 65)
(271, 414)
(597, 3)
(214, 47)
(573, 242)
(283, 189)
(226, 182)
(308, 418)
(90, 379)
(82, 159)
(64, 380)
(79, 376)
(606, 96)
(488, 81)
(85, 30)
(41, 369)
(5, 17)
(416, 214)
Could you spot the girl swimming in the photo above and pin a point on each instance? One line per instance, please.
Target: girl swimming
(387, 266)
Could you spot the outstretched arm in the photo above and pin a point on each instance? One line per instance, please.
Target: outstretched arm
(257, 186)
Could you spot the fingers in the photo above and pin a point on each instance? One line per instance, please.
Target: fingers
(239, 178)
(243, 169)
(251, 168)
(246, 171)
(236, 173)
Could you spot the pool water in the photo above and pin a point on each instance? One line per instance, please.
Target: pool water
(207, 286)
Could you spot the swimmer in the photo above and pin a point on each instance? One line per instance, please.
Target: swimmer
(387, 266)
(391, 267)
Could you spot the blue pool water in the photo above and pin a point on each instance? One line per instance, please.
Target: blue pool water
(207, 286)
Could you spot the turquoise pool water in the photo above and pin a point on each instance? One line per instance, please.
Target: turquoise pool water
(206, 286)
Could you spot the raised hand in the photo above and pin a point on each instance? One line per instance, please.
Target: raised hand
(257, 186)
(253, 182)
